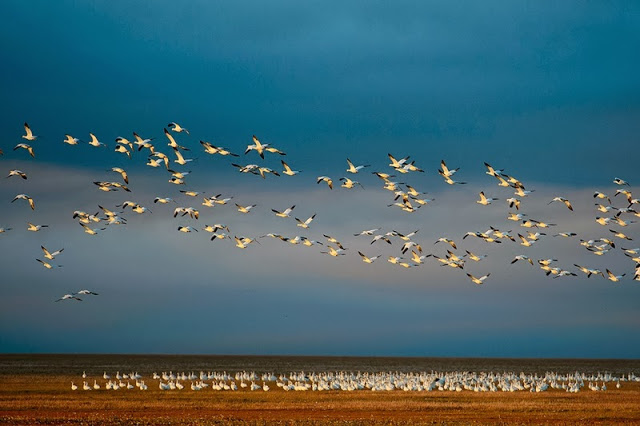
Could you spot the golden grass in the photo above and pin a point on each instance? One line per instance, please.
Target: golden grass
(31, 399)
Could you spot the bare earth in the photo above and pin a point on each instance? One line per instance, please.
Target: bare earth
(34, 397)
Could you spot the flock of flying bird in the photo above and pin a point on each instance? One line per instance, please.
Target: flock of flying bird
(405, 198)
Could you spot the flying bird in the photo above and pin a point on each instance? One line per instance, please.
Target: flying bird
(26, 147)
(28, 133)
(563, 200)
(17, 172)
(478, 280)
(284, 213)
(25, 197)
(177, 128)
(355, 169)
(51, 255)
(69, 297)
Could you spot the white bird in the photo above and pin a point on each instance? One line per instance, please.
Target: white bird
(17, 172)
(475, 257)
(334, 252)
(367, 232)
(48, 265)
(69, 297)
(180, 159)
(478, 280)
(445, 172)
(612, 277)
(525, 242)
(366, 259)
(619, 181)
(355, 169)
(212, 149)
(245, 209)
(177, 128)
(306, 223)
(26, 147)
(513, 202)
(187, 229)
(326, 179)
(94, 141)
(484, 200)
(92, 231)
(521, 257)
(74, 387)
(349, 184)
(122, 173)
(71, 140)
(35, 228)
(563, 200)
(28, 133)
(446, 240)
(25, 197)
(287, 170)
(284, 213)
(51, 255)
(601, 195)
(87, 292)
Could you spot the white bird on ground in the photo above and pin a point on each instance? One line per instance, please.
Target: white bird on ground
(25, 197)
(69, 297)
(28, 133)
(51, 255)
(74, 387)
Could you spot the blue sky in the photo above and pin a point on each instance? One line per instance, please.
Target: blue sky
(547, 91)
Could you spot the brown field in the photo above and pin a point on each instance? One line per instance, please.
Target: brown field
(36, 390)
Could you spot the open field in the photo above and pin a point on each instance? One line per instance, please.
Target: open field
(36, 390)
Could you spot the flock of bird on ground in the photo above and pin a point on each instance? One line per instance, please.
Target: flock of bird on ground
(405, 198)
(454, 381)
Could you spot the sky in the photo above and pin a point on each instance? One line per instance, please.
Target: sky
(547, 92)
